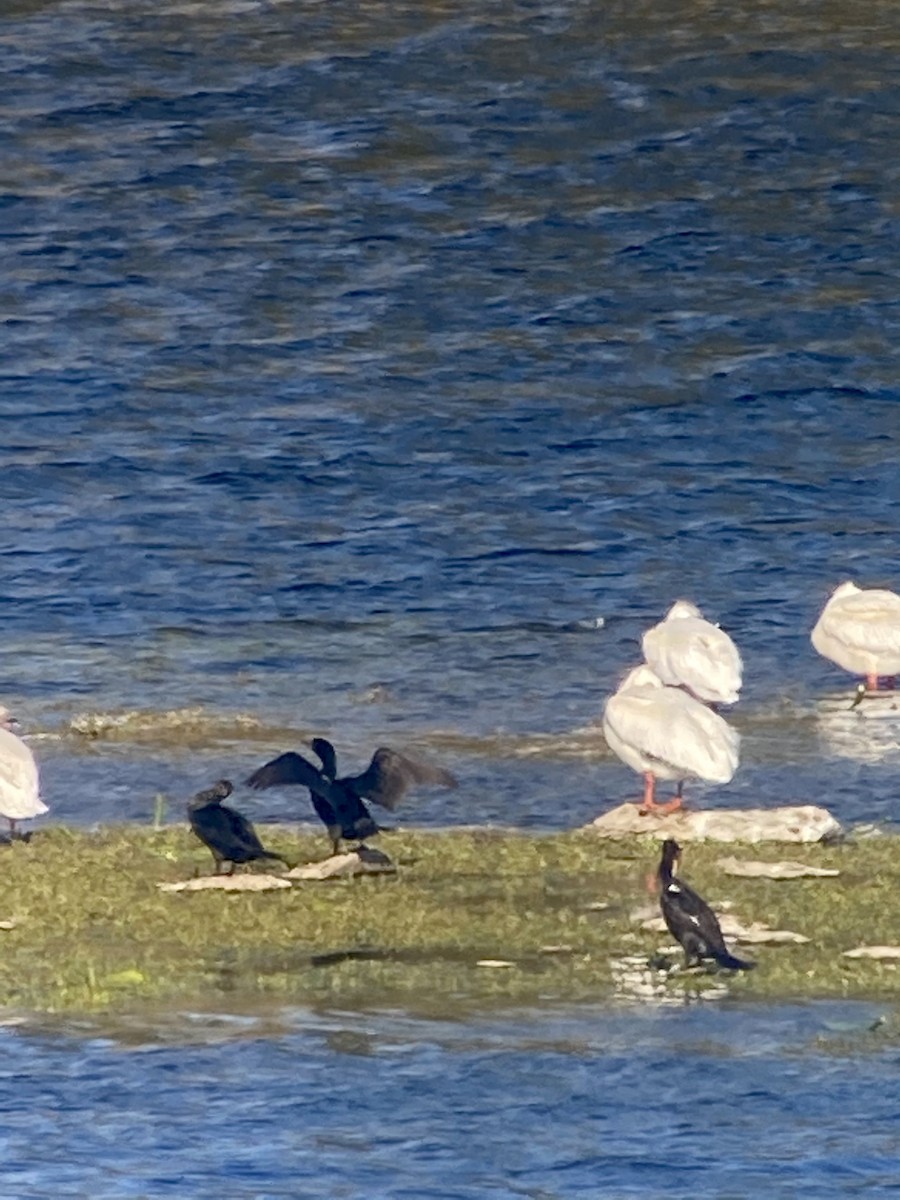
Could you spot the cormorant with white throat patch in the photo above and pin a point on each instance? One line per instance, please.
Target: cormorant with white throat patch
(690, 919)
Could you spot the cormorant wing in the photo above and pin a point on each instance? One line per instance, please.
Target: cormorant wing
(225, 831)
(291, 768)
(338, 806)
(390, 774)
(696, 913)
(350, 812)
(242, 830)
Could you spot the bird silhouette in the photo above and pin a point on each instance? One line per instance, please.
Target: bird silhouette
(690, 919)
(227, 833)
(340, 803)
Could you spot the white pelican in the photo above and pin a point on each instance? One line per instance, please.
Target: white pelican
(19, 799)
(687, 651)
(859, 629)
(666, 734)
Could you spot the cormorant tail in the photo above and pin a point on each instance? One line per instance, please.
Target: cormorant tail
(734, 964)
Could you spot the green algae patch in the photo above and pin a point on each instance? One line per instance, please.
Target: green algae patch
(472, 917)
(191, 726)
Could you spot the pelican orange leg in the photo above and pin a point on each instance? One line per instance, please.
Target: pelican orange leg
(650, 804)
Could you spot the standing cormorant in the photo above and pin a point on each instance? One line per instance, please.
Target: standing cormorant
(689, 918)
(228, 834)
(339, 803)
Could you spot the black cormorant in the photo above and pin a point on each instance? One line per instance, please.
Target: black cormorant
(339, 803)
(228, 834)
(689, 918)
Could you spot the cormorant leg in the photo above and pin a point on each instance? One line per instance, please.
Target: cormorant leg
(12, 829)
(335, 846)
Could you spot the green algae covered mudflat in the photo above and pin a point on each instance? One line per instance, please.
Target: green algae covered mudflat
(472, 917)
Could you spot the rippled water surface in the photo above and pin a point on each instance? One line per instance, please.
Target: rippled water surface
(359, 360)
(383, 371)
(695, 1102)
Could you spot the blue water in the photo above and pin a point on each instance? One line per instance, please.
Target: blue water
(552, 1104)
(383, 371)
(387, 352)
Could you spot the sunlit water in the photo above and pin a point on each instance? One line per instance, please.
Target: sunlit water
(383, 371)
(357, 361)
(696, 1102)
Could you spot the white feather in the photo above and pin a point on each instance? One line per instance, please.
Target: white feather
(665, 731)
(685, 650)
(859, 629)
(19, 784)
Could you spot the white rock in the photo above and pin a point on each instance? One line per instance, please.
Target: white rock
(878, 952)
(784, 869)
(793, 823)
(758, 934)
(227, 883)
(635, 979)
(363, 861)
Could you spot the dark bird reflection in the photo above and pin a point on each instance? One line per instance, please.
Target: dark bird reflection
(689, 918)
(339, 803)
(227, 833)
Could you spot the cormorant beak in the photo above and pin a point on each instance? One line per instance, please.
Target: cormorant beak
(860, 695)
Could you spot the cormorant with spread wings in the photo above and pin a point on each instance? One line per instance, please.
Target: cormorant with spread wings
(340, 803)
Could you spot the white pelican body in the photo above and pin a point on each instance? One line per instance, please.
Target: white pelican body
(19, 787)
(664, 733)
(859, 629)
(687, 651)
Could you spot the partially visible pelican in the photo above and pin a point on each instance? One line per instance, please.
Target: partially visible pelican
(666, 734)
(690, 919)
(685, 650)
(19, 783)
(859, 629)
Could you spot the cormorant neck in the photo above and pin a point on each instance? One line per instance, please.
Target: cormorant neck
(326, 754)
(667, 863)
